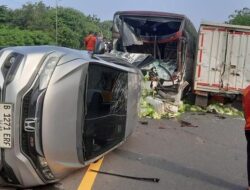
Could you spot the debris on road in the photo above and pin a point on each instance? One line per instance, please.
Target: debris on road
(224, 109)
(186, 124)
(143, 122)
(155, 180)
(161, 127)
(151, 106)
(220, 116)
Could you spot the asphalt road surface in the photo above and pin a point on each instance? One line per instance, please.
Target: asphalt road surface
(203, 152)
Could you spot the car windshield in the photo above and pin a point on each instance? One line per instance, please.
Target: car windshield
(105, 120)
(146, 26)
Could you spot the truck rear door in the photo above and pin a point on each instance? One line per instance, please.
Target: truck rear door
(237, 63)
(210, 57)
(223, 59)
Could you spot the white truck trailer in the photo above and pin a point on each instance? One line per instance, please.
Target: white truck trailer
(222, 61)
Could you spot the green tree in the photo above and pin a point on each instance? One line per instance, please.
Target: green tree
(106, 26)
(38, 22)
(240, 17)
(5, 14)
(17, 37)
(72, 27)
(93, 18)
(33, 17)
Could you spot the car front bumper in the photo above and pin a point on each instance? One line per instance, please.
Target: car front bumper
(16, 168)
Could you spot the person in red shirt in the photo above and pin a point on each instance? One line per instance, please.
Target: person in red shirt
(90, 42)
(246, 110)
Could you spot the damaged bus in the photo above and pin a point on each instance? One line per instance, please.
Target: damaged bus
(162, 45)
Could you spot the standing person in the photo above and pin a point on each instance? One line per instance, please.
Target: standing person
(90, 42)
(246, 109)
(99, 38)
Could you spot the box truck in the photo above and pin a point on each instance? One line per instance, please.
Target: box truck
(222, 63)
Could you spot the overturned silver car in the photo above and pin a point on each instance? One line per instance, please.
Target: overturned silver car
(61, 109)
(162, 45)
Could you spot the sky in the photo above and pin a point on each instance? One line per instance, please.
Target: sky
(196, 10)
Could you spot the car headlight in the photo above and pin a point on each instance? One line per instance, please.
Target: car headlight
(47, 72)
(45, 168)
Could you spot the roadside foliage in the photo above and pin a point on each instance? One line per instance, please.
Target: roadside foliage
(240, 17)
(35, 24)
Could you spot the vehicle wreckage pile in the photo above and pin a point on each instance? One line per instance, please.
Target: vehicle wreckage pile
(163, 88)
(155, 111)
(164, 47)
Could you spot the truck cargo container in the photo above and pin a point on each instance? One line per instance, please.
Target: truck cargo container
(222, 61)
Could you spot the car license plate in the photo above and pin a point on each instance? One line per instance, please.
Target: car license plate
(5, 125)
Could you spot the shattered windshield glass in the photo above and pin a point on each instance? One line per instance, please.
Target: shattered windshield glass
(150, 27)
(137, 30)
(105, 121)
(164, 70)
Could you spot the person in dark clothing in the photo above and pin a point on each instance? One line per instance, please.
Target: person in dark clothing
(246, 109)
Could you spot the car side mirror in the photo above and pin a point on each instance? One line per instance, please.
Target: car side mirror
(99, 48)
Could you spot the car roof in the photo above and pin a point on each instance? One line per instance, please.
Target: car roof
(66, 54)
(45, 49)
